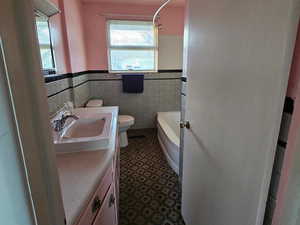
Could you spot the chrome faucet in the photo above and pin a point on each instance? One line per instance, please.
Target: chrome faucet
(59, 124)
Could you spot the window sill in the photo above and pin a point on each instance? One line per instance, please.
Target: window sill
(132, 72)
(49, 72)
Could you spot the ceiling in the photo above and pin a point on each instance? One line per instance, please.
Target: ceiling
(140, 2)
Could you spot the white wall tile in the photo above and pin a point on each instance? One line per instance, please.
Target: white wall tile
(158, 95)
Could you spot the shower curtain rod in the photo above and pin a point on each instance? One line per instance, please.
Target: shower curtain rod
(124, 16)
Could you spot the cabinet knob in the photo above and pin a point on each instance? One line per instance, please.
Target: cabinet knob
(111, 200)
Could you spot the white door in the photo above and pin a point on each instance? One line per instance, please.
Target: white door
(238, 60)
(15, 202)
(27, 156)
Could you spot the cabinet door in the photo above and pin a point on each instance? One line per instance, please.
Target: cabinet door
(107, 214)
(99, 197)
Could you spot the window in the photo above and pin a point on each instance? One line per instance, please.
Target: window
(43, 32)
(132, 46)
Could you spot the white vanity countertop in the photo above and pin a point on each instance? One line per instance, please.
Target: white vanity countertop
(80, 173)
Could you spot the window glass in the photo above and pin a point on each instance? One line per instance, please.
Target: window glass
(132, 46)
(43, 32)
(139, 60)
(132, 34)
(47, 58)
(44, 38)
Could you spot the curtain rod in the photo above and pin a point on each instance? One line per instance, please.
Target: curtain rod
(124, 16)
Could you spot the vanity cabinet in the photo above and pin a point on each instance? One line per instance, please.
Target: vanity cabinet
(103, 207)
(89, 180)
(107, 214)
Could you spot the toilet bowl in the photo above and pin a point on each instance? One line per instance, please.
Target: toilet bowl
(125, 121)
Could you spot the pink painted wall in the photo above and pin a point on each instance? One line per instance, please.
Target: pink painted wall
(293, 92)
(295, 71)
(74, 28)
(68, 37)
(79, 31)
(60, 42)
(172, 19)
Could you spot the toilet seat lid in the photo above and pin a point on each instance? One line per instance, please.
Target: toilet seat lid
(126, 120)
(95, 103)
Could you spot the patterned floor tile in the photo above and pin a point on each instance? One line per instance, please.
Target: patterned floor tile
(149, 188)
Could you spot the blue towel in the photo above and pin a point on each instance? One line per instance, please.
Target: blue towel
(133, 83)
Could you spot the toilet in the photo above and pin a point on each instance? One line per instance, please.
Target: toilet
(125, 121)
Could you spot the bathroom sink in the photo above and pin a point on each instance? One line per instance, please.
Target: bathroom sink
(90, 132)
(84, 128)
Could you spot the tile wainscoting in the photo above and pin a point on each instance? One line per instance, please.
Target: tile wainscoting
(74, 89)
(161, 93)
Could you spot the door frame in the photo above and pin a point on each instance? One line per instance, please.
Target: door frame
(183, 90)
(30, 107)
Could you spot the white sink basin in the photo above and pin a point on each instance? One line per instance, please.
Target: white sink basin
(89, 133)
(84, 128)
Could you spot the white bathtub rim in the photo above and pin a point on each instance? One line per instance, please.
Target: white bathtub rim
(173, 149)
(167, 129)
(170, 161)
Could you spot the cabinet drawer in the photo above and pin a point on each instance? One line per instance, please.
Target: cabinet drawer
(108, 212)
(96, 202)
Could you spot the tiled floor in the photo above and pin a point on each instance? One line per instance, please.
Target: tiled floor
(149, 188)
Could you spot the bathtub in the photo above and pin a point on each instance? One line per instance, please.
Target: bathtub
(169, 136)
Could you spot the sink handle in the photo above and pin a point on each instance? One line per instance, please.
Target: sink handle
(57, 124)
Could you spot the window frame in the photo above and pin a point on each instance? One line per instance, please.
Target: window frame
(109, 47)
(42, 17)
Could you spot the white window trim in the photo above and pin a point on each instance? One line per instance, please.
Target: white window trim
(40, 16)
(109, 47)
